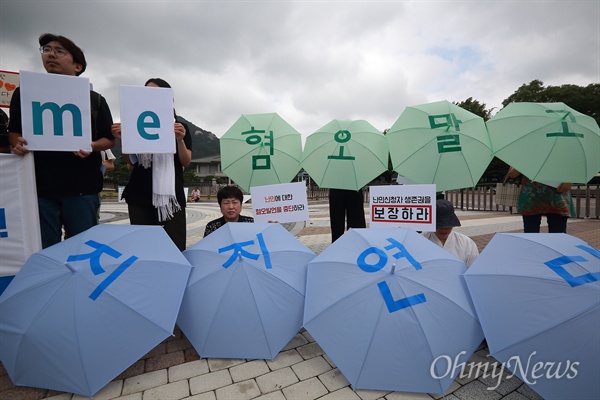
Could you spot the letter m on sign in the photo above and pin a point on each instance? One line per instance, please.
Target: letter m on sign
(37, 110)
(56, 112)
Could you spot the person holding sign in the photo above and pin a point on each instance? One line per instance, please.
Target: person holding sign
(155, 194)
(230, 200)
(459, 245)
(68, 183)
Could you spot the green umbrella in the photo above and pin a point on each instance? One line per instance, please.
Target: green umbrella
(440, 143)
(261, 149)
(547, 142)
(345, 154)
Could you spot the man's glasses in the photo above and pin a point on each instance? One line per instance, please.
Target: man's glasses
(59, 51)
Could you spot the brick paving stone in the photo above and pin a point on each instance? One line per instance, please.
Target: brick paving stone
(329, 360)
(305, 390)
(371, 394)
(188, 370)
(160, 349)
(341, 394)
(172, 391)
(145, 381)
(110, 391)
(307, 335)
(248, 370)
(506, 385)
(61, 396)
(451, 397)
(284, 359)
(6, 383)
(191, 355)
(240, 391)
(22, 392)
(210, 381)
(276, 380)
(453, 387)
(133, 396)
(514, 396)
(476, 391)
(333, 380)
(178, 345)
(475, 367)
(272, 396)
(529, 393)
(309, 368)
(164, 361)
(407, 396)
(137, 368)
(203, 396)
(217, 364)
(310, 350)
(296, 341)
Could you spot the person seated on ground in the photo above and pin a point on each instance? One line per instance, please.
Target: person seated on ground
(459, 245)
(195, 195)
(230, 200)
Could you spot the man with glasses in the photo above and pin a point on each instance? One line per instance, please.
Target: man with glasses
(68, 183)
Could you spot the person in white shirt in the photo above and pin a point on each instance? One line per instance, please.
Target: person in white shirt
(459, 245)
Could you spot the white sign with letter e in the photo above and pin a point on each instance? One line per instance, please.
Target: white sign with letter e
(406, 206)
(285, 202)
(147, 120)
(56, 112)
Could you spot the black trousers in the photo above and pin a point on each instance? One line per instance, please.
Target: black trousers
(175, 227)
(345, 206)
(556, 223)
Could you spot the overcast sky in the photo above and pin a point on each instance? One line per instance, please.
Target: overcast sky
(313, 61)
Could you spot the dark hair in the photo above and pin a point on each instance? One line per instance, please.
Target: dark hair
(163, 84)
(69, 46)
(158, 82)
(228, 192)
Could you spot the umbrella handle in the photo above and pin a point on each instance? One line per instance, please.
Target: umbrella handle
(70, 267)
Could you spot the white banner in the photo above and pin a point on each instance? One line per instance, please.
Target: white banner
(406, 206)
(147, 120)
(19, 219)
(56, 112)
(286, 202)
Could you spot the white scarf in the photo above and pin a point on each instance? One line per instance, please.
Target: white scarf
(163, 183)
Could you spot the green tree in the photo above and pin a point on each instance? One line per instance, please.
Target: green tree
(583, 99)
(475, 107)
(497, 169)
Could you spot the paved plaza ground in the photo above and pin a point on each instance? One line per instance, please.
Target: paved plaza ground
(301, 371)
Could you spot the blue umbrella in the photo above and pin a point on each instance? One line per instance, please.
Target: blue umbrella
(245, 295)
(82, 311)
(390, 308)
(538, 299)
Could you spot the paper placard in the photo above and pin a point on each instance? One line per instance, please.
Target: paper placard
(406, 206)
(56, 112)
(19, 218)
(147, 120)
(9, 81)
(286, 202)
